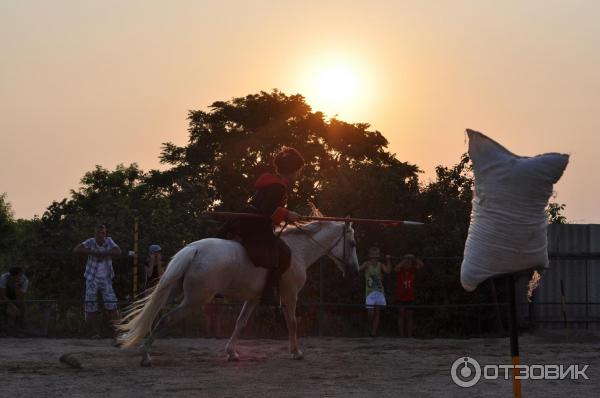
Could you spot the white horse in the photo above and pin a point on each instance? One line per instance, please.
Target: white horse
(210, 266)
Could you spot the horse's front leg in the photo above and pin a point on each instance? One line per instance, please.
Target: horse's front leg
(292, 326)
(242, 319)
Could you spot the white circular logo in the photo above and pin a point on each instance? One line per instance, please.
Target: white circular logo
(465, 372)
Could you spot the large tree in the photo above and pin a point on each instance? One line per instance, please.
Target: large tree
(234, 141)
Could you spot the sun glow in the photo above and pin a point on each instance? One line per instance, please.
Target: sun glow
(336, 87)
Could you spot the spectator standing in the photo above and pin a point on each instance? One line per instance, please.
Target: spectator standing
(405, 292)
(374, 291)
(98, 276)
(153, 268)
(13, 286)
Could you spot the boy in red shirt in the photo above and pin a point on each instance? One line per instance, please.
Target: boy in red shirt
(405, 292)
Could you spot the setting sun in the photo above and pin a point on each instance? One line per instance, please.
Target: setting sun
(336, 87)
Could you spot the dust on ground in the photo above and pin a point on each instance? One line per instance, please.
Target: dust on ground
(333, 367)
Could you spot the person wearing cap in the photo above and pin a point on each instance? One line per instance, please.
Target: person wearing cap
(153, 268)
(374, 291)
(264, 247)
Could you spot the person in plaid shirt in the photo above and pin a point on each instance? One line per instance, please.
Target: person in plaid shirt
(98, 276)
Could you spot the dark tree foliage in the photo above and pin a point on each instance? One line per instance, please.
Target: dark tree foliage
(554, 212)
(234, 142)
(114, 198)
(7, 231)
(6, 223)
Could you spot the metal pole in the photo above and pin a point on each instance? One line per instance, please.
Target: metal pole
(135, 255)
(587, 298)
(394, 223)
(514, 336)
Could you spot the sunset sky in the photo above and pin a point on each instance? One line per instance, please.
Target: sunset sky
(106, 82)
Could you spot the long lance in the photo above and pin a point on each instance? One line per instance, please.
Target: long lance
(393, 223)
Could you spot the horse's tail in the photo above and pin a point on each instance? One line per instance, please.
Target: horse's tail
(137, 321)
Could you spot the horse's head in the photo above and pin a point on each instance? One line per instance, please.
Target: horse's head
(343, 251)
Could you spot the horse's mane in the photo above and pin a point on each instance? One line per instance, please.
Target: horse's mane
(303, 227)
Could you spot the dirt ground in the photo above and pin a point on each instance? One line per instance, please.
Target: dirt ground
(333, 367)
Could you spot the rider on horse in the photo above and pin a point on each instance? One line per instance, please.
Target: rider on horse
(264, 247)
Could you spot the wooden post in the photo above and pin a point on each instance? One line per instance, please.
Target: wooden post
(500, 326)
(514, 335)
(135, 254)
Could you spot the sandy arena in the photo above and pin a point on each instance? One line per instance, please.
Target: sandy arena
(333, 367)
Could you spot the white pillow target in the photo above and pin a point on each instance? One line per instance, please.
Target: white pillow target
(508, 226)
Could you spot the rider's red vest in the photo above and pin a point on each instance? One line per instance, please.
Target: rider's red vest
(267, 179)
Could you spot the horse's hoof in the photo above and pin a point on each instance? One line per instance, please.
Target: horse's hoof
(146, 361)
(233, 356)
(297, 355)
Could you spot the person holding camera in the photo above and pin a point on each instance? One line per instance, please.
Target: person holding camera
(153, 269)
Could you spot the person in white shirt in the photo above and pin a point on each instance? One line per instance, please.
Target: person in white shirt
(98, 276)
